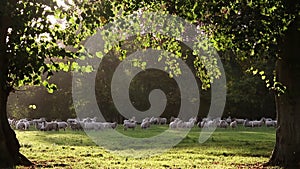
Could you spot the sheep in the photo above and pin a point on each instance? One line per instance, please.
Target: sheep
(248, 123)
(228, 120)
(62, 125)
(22, 124)
(11, 121)
(173, 124)
(258, 123)
(190, 123)
(172, 119)
(89, 120)
(271, 123)
(129, 124)
(92, 126)
(76, 126)
(145, 124)
(163, 121)
(38, 126)
(72, 121)
(240, 121)
(145, 119)
(202, 122)
(109, 125)
(211, 123)
(233, 124)
(36, 121)
(154, 120)
(49, 126)
(223, 124)
(180, 124)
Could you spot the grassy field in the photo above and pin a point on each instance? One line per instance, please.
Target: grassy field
(226, 148)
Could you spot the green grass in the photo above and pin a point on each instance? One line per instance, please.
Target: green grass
(226, 148)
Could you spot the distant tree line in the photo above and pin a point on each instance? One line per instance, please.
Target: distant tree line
(247, 95)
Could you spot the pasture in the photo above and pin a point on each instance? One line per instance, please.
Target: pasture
(226, 148)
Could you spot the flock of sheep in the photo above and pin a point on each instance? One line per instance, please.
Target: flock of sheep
(234, 122)
(174, 123)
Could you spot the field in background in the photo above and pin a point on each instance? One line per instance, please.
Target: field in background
(227, 148)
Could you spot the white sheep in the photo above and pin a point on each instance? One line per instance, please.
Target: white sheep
(211, 123)
(129, 124)
(223, 124)
(240, 121)
(154, 120)
(228, 120)
(49, 126)
(109, 125)
(22, 124)
(76, 126)
(258, 123)
(233, 124)
(248, 123)
(145, 124)
(163, 121)
(271, 123)
(62, 125)
(173, 124)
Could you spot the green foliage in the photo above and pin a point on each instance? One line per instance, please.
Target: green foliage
(42, 35)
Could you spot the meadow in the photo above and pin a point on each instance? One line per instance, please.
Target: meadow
(225, 149)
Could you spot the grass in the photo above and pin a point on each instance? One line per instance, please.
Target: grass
(225, 149)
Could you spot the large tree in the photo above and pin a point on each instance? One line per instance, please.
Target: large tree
(260, 30)
(34, 40)
(255, 31)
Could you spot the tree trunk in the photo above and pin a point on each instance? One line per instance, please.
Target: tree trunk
(287, 148)
(9, 145)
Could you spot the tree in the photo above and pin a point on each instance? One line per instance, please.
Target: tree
(262, 30)
(254, 31)
(34, 44)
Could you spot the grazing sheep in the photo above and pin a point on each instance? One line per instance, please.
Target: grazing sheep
(271, 123)
(22, 124)
(154, 120)
(76, 126)
(72, 121)
(92, 126)
(62, 125)
(258, 123)
(223, 124)
(163, 121)
(89, 120)
(145, 119)
(190, 123)
(173, 124)
(109, 125)
(129, 124)
(49, 126)
(38, 126)
(211, 123)
(233, 124)
(11, 121)
(228, 120)
(240, 121)
(145, 124)
(248, 123)
(172, 119)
